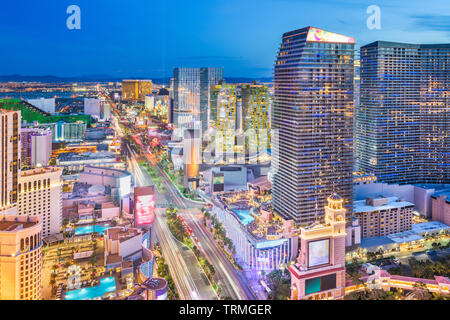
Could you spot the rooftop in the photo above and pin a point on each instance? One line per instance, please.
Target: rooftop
(121, 234)
(360, 206)
(405, 236)
(429, 227)
(14, 223)
(81, 190)
(143, 191)
(442, 193)
(73, 156)
(41, 170)
(375, 242)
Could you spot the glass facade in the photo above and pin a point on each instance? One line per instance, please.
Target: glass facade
(240, 114)
(312, 121)
(191, 89)
(402, 122)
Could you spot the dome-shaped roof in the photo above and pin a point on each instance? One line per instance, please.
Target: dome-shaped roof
(163, 92)
(96, 189)
(335, 197)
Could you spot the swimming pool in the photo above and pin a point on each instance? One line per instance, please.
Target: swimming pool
(90, 229)
(106, 285)
(244, 215)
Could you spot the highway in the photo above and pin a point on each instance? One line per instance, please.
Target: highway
(189, 278)
(232, 281)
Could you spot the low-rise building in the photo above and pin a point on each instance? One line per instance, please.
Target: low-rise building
(381, 216)
(118, 180)
(261, 241)
(122, 244)
(75, 162)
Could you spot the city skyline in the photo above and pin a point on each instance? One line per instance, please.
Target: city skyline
(211, 150)
(144, 40)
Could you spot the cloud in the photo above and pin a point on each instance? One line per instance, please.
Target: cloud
(431, 22)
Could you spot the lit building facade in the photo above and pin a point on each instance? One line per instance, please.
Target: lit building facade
(97, 108)
(36, 145)
(240, 114)
(136, 90)
(20, 257)
(256, 118)
(66, 131)
(402, 122)
(319, 273)
(312, 123)
(191, 93)
(252, 253)
(228, 117)
(10, 158)
(382, 216)
(40, 194)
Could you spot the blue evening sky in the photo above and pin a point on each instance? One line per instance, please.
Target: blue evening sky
(148, 38)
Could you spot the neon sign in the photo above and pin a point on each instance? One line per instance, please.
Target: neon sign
(319, 35)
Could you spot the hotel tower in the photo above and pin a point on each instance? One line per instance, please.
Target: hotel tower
(191, 93)
(10, 154)
(312, 122)
(20, 257)
(403, 120)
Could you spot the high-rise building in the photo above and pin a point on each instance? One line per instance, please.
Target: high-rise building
(228, 117)
(136, 90)
(40, 194)
(36, 146)
(20, 257)
(241, 116)
(403, 120)
(97, 108)
(191, 90)
(256, 120)
(312, 123)
(10, 154)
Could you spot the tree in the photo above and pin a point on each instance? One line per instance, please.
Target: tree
(420, 291)
(279, 284)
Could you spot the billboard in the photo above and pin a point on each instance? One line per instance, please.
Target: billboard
(318, 253)
(318, 284)
(144, 206)
(319, 35)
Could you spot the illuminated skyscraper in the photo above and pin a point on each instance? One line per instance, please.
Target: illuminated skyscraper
(228, 117)
(312, 121)
(136, 90)
(241, 117)
(256, 120)
(10, 154)
(191, 90)
(403, 123)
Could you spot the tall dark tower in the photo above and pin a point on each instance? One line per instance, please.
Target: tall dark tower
(312, 121)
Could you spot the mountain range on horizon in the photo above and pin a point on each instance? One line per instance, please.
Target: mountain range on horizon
(107, 78)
